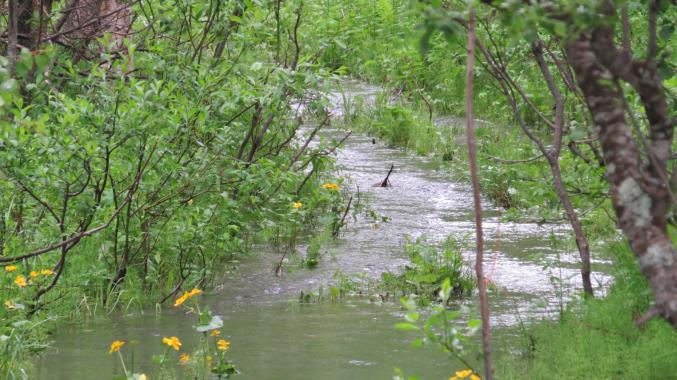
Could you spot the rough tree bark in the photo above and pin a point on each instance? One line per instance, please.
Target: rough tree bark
(13, 38)
(640, 197)
(24, 13)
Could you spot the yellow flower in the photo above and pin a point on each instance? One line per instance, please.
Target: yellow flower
(297, 205)
(143, 377)
(34, 274)
(116, 346)
(215, 333)
(20, 280)
(172, 342)
(10, 305)
(11, 268)
(464, 374)
(223, 344)
(186, 296)
(209, 359)
(331, 186)
(184, 358)
(181, 300)
(46, 272)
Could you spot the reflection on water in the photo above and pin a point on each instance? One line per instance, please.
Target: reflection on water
(280, 341)
(273, 338)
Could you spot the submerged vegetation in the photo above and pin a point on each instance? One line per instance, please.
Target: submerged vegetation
(430, 267)
(147, 146)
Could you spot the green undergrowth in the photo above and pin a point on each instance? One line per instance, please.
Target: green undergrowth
(598, 339)
(430, 266)
(399, 123)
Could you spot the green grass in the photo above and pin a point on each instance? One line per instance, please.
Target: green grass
(597, 339)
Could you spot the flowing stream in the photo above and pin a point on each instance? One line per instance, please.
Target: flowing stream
(274, 337)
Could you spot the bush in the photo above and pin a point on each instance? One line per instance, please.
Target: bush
(429, 267)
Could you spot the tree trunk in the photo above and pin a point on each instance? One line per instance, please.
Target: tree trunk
(13, 38)
(640, 198)
(24, 10)
(581, 241)
(472, 157)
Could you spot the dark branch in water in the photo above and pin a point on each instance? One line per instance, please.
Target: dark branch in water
(343, 219)
(386, 181)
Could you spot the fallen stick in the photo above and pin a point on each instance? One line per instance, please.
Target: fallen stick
(386, 181)
(343, 219)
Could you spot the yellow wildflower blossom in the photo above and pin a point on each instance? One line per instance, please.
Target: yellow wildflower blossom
(297, 205)
(10, 305)
(215, 333)
(143, 377)
(459, 375)
(20, 280)
(186, 296)
(116, 346)
(172, 342)
(184, 358)
(34, 274)
(46, 272)
(11, 268)
(223, 344)
(331, 186)
(181, 300)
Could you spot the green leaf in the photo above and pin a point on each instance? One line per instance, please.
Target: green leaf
(407, 326)
(446, 289)
(427, 278)
(214, 324)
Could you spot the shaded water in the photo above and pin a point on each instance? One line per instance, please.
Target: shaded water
(274, 337)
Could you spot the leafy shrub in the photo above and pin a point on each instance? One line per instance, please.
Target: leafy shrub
(429, 267)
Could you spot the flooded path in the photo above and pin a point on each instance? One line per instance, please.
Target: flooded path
(275, 337)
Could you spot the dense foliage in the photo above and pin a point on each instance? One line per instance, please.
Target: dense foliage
(139, 171)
